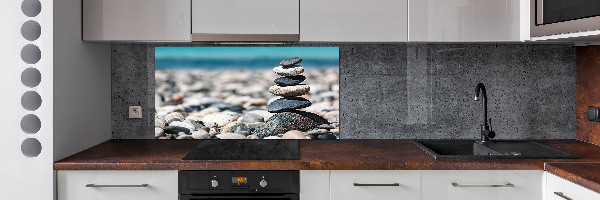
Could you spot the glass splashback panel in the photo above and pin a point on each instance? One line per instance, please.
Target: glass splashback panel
(247, 93)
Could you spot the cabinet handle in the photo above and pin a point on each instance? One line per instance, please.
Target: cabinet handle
(94, 185)
(362, 184)
(505, 185)
(560, 194)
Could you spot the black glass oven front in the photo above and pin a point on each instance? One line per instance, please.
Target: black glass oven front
(235, 185)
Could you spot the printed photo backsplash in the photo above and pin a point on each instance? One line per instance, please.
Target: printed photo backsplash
(247, 93)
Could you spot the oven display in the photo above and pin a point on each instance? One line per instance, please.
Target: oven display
(239, 180)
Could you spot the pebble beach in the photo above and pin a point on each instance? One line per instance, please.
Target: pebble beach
(248, 103)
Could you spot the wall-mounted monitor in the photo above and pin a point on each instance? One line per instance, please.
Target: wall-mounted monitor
(247, 93)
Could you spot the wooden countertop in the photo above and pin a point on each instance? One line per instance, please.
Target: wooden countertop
(315, 155)
(581, 173)
(332, 155)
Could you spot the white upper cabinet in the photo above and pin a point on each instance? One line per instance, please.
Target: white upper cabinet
(244, 20)
(468, 20)
(307, 20)
(354, 20)
(136, 20)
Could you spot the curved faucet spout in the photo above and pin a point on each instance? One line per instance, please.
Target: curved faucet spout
(486, 133)
(481, 87)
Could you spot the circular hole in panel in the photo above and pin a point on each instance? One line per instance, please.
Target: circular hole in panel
(31, 30)
(30, 124)
(31, 8)
(31, 54)
(31, 77)
(31, 147)
(31, 100)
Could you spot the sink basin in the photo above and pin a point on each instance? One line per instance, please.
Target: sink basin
(494, 149)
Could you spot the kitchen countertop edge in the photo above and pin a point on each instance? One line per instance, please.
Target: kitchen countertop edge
(584, 174)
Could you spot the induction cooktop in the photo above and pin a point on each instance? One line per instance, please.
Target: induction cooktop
(245, 150)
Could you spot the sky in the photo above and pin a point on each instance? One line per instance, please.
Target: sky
(242, 57)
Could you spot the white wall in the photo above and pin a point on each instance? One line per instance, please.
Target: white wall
(75, 90)
(24, 177)
(82, 84)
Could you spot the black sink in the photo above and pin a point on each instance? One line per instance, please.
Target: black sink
(492, 149)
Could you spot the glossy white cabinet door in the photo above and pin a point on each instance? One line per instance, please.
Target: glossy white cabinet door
(408, 185)
(477, 184)
(354, 20)
(314, 184)
(245, 16)
(468, 20)
(136, 20)
(567, 189)
(162, 185)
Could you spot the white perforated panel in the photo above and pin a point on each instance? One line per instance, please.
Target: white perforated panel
(26, 145)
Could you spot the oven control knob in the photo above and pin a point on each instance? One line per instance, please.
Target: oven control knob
(263, 183)
(214, 183)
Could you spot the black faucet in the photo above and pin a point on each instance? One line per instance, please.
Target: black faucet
(486, 129)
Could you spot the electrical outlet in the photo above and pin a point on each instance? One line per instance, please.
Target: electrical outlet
(135, 112)
(593, 114)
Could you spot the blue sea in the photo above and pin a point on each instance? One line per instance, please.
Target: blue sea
(224, 58)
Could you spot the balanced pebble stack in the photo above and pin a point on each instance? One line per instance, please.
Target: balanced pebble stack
(289, 87)
(289, 122)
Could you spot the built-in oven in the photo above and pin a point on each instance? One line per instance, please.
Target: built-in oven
(554, 17)
(234, 185)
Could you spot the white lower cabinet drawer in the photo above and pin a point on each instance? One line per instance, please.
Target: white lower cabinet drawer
(482, 185)
(117, 185)
(560, 189)
(375, 185)
(314, 184)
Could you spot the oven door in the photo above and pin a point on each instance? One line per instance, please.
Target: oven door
(236, 197)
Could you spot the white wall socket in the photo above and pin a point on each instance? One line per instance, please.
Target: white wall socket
(135, 112)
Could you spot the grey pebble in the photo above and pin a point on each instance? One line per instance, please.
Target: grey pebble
(290, 61)
(289, 80)
(288, 104)
(184, 137)
(252, 118)
(328, 136)
(317, 132)
(175, 130)
(325, 126)
(158, 132)
(184, 124)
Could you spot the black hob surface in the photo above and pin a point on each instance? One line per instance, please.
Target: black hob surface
(245, 150)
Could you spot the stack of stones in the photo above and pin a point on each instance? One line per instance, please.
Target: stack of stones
(289, 122)
(288, 87)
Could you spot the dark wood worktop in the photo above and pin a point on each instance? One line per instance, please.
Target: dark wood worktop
(581, 173)
(315, 155)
